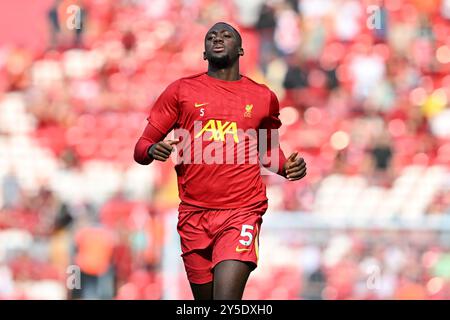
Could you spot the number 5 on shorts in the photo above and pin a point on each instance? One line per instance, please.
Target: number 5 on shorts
(246, 234)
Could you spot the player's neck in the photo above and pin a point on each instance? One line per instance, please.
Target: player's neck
(227, 74)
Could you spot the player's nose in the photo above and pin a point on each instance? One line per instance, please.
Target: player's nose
(217, 39)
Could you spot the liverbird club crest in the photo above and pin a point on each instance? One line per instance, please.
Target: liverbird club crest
(248, 111)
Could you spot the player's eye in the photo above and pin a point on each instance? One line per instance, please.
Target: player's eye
(226, 35)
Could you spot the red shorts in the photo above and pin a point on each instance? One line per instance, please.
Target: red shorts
(209, 236)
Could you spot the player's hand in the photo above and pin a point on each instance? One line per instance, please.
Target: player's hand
(161, 151)
(294, 168)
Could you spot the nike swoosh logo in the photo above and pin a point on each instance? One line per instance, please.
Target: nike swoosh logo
(198, 105)
(241, 249)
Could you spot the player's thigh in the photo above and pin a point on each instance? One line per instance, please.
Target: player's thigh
(230, 278)
(198, 266)
(239, 241)
(196, 245)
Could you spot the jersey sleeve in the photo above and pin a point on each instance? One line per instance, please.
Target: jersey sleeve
(161, 120)
(273, 150)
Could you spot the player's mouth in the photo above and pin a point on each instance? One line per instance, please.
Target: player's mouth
(218, 48)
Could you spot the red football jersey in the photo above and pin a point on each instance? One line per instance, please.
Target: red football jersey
(219, 124)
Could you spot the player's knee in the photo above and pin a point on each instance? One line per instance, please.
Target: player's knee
(202, 291)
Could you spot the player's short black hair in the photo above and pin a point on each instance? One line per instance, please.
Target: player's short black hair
(238, 35)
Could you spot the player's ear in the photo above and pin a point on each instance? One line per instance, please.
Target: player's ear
(241, 51)
(204, 55)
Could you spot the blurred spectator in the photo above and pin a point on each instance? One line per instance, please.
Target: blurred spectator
(367, 69)
(266, 27)
(6, 282)
(287, 32)
(61, 239)
(381, 159)
(94, 250)
(316, 286)
(296, 77)
(248, 12)
(11, 191)
(346, 23)
(66, 17)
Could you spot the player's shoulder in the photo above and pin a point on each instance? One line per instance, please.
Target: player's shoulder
(176, 83)
(255, 83)
(192, 77)
(260, 86)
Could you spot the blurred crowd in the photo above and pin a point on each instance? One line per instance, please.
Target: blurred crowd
(357, 267)
(364, 93)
